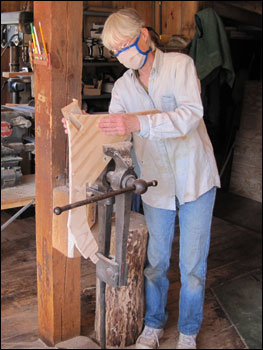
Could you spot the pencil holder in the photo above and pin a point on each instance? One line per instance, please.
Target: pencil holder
(41, 59)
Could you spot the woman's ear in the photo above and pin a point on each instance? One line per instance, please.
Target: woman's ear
(145, 34)
(146, 39)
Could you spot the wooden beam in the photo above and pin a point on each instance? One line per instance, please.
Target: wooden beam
(241, 15)
(55, 86)
(171, 17)
(16, 74)
(188, 11)
(157, 18)
(252, 6)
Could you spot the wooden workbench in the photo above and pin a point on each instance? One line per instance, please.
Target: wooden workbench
(20, 195)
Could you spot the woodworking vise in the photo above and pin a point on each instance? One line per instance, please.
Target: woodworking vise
(115, 185)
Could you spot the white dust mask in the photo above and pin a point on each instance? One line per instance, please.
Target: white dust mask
(132, 57)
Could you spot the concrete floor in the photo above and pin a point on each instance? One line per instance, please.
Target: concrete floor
(241, 300)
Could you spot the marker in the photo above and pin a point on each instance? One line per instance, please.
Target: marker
(33, 37)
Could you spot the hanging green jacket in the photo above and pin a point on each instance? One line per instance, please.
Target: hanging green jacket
(210, 48)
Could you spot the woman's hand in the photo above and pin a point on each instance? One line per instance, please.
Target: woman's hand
(64, 122)
(65, 125)
(119, 124)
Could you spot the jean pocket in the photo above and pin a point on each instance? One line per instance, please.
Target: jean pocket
(168, 103)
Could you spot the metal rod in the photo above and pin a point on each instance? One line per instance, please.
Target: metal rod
(102, 315)
(105, 215)
(59, 210)
(16, 215)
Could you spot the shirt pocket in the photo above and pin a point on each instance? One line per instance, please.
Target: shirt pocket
(168, 103)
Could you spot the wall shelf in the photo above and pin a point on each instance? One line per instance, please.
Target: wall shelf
(97, 97)
(94, 13)
(101, 64)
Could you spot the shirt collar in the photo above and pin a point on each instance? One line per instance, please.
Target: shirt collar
(157, 63)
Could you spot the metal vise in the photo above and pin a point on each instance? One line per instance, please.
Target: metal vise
(116, 184)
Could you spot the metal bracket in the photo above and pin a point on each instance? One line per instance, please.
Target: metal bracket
(107, 270)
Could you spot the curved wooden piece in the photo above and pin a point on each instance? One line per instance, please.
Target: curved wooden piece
(86, 162)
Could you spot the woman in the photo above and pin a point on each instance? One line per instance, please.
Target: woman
(172, 147)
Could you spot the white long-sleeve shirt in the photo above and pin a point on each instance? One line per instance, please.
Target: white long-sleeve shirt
(173, 146)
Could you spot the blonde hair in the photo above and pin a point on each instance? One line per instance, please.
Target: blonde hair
(121, 26)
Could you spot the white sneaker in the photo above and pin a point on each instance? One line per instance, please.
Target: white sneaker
(186, 341)
(149, 339)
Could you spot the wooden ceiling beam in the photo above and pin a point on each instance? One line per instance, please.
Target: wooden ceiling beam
(237, 14)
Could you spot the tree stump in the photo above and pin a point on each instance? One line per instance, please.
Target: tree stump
(125, 305)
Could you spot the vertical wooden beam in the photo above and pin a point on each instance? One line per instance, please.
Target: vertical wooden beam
(144, 8)
(189, 9)
(55, 86)
(171, 17)
(157, 19)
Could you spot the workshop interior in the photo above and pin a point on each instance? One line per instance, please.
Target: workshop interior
(35, 202)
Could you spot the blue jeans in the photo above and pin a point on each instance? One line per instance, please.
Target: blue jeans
(195, 225)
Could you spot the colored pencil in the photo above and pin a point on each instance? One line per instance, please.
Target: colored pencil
(38, 47)
(43, 41)
(33, 37)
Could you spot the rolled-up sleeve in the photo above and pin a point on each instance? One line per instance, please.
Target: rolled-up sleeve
(188, 110)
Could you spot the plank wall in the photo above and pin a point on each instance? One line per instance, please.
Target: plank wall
(166, 17)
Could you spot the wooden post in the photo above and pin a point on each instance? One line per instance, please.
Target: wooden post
(188, 11)
(58, 277)
(125, 305)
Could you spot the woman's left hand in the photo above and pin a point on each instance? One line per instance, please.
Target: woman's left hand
(119, 124)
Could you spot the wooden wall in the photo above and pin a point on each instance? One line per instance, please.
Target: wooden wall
(176, 17)
(9, 6)
(145, 8)
(166, 17)
(246, 175)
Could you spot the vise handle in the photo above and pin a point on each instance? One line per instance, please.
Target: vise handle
(139, 186)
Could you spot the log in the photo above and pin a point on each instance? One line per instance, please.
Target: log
(125, 305)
